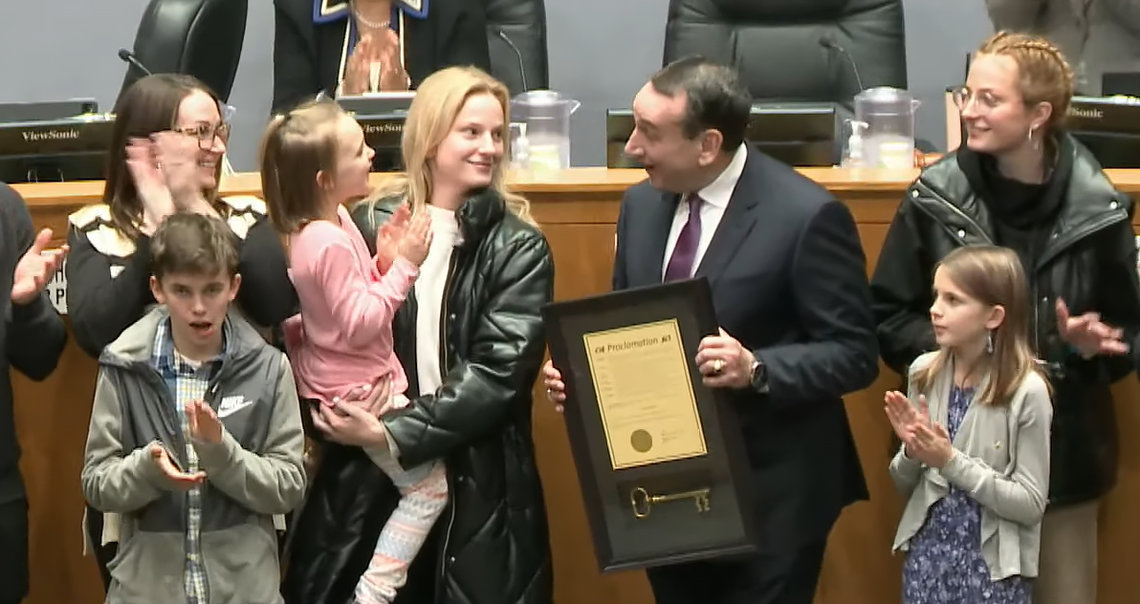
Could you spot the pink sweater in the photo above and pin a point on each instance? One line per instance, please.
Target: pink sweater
(346, 310)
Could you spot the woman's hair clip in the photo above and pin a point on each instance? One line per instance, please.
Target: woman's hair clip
(227, 112)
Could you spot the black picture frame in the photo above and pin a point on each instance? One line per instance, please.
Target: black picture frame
(676, 531)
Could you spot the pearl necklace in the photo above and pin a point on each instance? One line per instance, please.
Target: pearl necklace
(366, 22)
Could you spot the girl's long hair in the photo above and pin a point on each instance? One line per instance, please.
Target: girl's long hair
(993, 276)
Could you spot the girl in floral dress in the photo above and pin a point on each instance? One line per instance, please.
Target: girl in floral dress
(975, 430)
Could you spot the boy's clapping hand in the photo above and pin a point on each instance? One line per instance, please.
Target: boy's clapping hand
(204, 423)
(169, 466)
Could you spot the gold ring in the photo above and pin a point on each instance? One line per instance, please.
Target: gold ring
(718, 365)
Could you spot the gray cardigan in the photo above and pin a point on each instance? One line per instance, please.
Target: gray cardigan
(1001, 459)
(1096, 36)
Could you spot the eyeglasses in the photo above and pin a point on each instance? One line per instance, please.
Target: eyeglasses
(206, 134)
(984, 101)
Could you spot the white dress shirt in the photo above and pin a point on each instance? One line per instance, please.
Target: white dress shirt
(715, 196)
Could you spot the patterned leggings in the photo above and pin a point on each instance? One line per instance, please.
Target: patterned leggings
(423, 496)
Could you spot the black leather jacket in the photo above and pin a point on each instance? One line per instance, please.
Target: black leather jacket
(1088, 259)
(491, 545)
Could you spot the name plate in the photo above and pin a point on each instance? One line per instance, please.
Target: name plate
(57, 289)
(384, 134)
(72, 135)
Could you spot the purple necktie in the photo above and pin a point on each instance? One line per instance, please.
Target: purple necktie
(681, 262)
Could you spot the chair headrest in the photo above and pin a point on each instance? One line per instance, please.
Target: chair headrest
(202, 38)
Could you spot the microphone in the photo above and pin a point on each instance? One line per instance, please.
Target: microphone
(129, 58)
(522, 69)
(829, 43)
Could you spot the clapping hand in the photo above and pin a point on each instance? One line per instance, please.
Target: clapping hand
(416, 238)
(1088, 334)
(357, 72)
(177, 479)
(930, 444)
(388, 238)
(904, 415)
(204, 423)
(36, 268)
(925, 440)
(164, 168)
(393, 78)
(149, 183)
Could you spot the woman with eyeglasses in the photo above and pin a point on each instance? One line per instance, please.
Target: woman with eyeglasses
(166, 154)
(1020, 181)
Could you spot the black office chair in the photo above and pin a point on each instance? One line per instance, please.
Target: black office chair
(789, 50)
(202, 38)
(523, 24)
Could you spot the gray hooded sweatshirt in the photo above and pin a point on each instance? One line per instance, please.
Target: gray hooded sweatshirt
(255, 472)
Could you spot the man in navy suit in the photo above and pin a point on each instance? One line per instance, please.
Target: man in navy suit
(789, 286)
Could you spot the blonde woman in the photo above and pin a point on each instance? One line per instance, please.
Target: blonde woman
(470, 335)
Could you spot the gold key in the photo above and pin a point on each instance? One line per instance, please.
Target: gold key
(642, 501)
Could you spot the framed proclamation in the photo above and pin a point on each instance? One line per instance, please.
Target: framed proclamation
(660, 457)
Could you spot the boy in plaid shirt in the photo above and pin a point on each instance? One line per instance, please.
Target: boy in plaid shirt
(195, 438)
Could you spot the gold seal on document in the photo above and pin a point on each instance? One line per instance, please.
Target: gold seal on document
(641, 441)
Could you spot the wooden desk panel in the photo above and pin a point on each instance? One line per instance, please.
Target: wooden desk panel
(578, 211)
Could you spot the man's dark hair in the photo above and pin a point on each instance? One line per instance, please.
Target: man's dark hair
(715, 98)
(188, 243)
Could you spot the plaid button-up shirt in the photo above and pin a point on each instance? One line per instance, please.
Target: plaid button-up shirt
(188, 381)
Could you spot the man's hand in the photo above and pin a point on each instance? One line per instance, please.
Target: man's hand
(177, 479)
(555, 389)
(36, 269)
(204, 423)
(724, 362)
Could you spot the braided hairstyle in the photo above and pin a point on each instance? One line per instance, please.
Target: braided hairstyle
(1045, 75)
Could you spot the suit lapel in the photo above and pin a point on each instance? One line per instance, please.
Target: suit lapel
(734, 226)
(424, 38)
(657, 235)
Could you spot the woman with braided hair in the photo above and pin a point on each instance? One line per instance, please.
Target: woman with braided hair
(1019, 181)
(1099, 36)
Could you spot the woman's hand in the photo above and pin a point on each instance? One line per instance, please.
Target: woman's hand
(150, 184)
(369, 398)
(349, 424)
(1088, 334)
(177, 155)
(356, 73)
(393, 78)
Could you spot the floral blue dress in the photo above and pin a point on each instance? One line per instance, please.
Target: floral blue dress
(944, 563)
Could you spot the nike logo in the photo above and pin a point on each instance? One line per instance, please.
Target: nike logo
(231, 405)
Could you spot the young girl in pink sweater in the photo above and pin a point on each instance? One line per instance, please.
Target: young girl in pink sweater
(314, 160)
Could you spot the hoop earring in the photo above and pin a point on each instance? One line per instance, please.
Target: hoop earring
(989, 342)
(1036, 142)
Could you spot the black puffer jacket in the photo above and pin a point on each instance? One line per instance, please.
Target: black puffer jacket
(491, 545)
(1086, 255)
